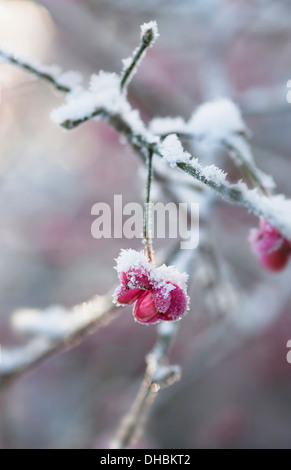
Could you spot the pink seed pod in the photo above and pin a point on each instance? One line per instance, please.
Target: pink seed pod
(275, 261)
(154, 296)
(270, 247)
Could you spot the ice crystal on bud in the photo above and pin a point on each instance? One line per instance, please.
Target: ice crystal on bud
(150, 28)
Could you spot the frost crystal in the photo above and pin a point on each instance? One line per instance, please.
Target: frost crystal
(171, 274)
(129, 260)
(173, 152)
(146, 27)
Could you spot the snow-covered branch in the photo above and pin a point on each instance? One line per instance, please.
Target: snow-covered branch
(149, 34)
(53, 74)
(126, 121)
(105, 100)
(275, 209)
(219, 123)
(57, 329)
(54, 330)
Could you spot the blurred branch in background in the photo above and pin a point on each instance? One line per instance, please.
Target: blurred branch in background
(54, 330)
(158, 375)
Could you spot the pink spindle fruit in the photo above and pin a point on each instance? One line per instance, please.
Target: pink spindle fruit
(157, 293)
(271, 248)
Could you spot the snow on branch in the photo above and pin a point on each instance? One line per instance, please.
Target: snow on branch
(276, 209)
(118, 113)
(217, 119)
(173, 152)
(218, 122)
(55, 330)
(104, 100)
(214, 119)
(62, 81)
(148, 36)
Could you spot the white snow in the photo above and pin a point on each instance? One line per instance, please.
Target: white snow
(171, 274)
(52, 322)
(213, 173)
(129, 60)
(68, 79)
(104, 93)
(153, 25)
(167, 125)
(105, 82)
(129, 260)
(214, 122)
(275, 209)
(126, 63)
(216, 119)
(173, 152)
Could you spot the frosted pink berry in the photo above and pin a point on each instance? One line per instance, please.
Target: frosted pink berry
(157, 293)
(270, 247)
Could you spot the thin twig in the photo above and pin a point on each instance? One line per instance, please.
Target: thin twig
(157, 376)
(250, 169)
(36, 70)
(147, 217)
(146, 40)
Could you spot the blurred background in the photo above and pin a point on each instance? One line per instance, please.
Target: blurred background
(233, 394)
